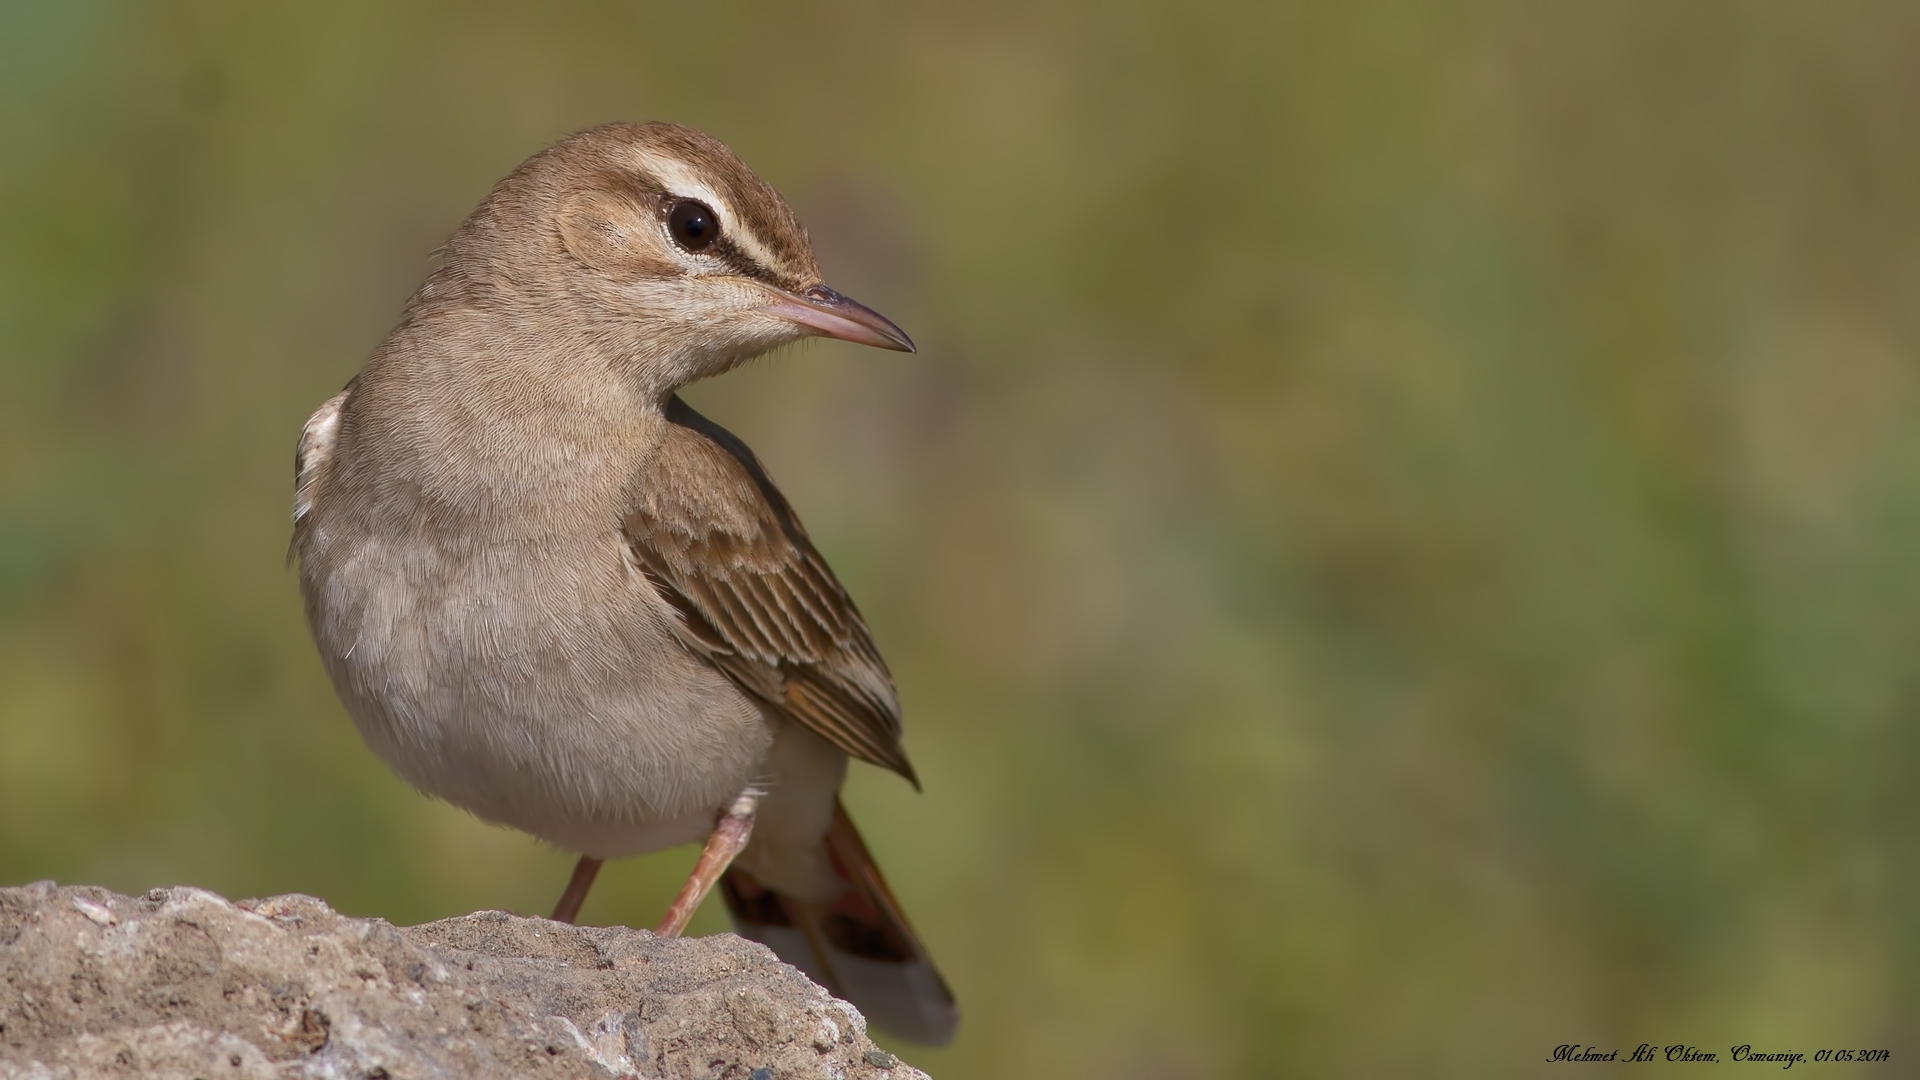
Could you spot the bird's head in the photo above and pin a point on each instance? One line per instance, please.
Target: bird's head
(655, 246)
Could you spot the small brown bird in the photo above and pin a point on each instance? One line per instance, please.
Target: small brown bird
(549, 592)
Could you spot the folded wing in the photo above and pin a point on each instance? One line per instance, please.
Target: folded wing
(755, 598)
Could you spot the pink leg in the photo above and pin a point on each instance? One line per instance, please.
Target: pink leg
(729, 837)
(583, 873)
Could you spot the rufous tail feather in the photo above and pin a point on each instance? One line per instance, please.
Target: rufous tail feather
(858, 945)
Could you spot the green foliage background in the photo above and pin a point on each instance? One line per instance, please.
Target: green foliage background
(1401, 547)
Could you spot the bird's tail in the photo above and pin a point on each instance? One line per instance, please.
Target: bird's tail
(858, 945)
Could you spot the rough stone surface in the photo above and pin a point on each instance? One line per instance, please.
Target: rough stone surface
(183, 983)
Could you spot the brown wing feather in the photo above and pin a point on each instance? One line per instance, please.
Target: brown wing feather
(755, 598)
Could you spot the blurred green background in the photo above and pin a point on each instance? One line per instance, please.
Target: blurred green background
(1400, 548)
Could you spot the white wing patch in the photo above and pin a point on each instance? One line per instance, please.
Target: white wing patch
(315, 449)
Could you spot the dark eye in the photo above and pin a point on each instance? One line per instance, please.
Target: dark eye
(693, 224)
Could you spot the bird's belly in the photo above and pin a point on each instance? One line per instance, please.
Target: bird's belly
(537, 686)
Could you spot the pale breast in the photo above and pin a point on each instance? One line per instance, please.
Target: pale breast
(533, 680)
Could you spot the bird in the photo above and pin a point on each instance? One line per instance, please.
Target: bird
(551, 593)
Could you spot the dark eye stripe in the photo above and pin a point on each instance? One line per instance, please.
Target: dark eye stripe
(721, 246)
(740, 263)
(643, 191)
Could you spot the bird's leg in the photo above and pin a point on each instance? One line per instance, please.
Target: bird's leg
(583, 873)
(730, 835)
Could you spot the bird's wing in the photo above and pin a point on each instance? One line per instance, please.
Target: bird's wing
(721, 545)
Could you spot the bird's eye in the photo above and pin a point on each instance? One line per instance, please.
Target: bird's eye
(693, 224)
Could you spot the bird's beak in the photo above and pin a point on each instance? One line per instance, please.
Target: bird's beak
(821, 311)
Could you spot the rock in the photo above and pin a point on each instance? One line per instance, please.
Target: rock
(183, 983)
